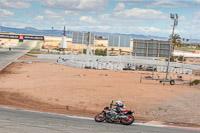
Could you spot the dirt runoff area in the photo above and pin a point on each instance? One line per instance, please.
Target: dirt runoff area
(84, 92)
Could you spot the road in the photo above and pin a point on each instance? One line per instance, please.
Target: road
(20, 121)
(7, 57)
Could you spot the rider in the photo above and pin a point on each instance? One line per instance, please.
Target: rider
(120, 106)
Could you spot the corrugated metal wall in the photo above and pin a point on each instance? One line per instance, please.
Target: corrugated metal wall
(151, 48)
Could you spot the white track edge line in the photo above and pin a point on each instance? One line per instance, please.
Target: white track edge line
(77, 117)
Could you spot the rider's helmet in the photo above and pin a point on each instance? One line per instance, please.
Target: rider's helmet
(119, 103)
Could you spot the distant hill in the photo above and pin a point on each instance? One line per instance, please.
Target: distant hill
(31, 30)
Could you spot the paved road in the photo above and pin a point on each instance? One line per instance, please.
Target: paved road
(7, 57)
(17, 121)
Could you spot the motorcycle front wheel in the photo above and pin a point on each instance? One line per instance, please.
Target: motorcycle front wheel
(128, 121)
(100, 117)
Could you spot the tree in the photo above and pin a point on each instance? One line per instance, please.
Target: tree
(120, 51)
(176, 40)
(198, 46)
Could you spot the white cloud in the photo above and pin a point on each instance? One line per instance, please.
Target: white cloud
(197, 13)
(15, 24)
(90, 6)
(88, 19)
(14, 4)
(131, 2)
(105, 17)
(53, 15)
(100, 28)
(148, 29)
(49, 18)
(39, 18)
(196, 18)
(197, 1)
(167, 4)
(5, 13)
(49, 13)
(182, 18)
(119, 7)
(71, 13)
(141, 14)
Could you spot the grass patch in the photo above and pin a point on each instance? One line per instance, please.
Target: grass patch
(34, 52)
(19, 43)
(36, 49)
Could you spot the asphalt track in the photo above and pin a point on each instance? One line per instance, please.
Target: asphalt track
(22, 121)
(7, 57)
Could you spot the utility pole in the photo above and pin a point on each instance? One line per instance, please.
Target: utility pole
(64, 32)
(64, 40)
(52, 31)
(175, 18)
(89, 50)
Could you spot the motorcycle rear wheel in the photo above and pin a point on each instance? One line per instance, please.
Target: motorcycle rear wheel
(128, 121)
(100, 117)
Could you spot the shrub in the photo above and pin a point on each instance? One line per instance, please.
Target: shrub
(173, 59)
(181, 58)
(195, 82)
(101, 52)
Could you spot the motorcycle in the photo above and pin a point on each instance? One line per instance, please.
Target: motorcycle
(118, 114)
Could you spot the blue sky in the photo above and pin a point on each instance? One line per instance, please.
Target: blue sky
(147, 17)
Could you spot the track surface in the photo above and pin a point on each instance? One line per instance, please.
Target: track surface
(19, 121)
(7, 57)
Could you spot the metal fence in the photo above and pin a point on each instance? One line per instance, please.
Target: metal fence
(120, 63)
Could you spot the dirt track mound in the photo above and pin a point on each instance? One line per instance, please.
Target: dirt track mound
(55, 88)
(21, 101)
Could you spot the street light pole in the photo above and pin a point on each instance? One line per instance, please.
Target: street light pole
(52, 31)
(175, 18)
(52, 35)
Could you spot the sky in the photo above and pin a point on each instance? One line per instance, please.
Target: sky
(146, 17)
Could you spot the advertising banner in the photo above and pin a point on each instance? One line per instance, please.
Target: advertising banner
(9, 36)
(21, 37)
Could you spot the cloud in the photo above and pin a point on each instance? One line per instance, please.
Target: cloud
(131, 2)
(71, 13)
(130, 16)
(88, 19)
(161, 3)
(5, 13)
(148, 29)
(39, 18)
(53, 15)
(167, 4)
(90, 6)
(48, 18)
(105, 17)
(100, 28)
(197, 1)
(182, 18)
(14, 4)
(141, 14)
(119, 7)
(196, 18)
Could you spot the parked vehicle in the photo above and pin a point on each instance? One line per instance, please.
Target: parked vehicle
(151, 68)
(118, 114)
(140, 67)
